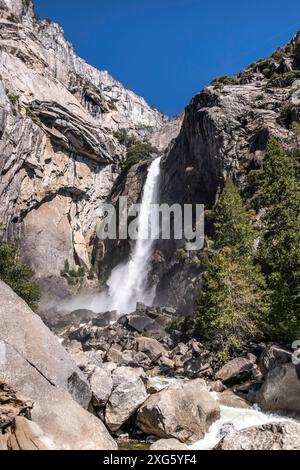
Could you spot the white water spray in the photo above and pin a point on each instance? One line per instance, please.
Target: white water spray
(128, 282)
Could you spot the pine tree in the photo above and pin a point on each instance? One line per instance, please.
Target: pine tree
(232, 303)
(279, 250)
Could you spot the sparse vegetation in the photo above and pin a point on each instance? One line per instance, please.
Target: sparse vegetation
(283, 80)
(225, 80)
(18, 275)
(141, 151)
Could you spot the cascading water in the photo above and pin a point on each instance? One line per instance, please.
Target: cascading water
(128, 282)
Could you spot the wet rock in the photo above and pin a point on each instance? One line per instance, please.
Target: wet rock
(272, 436)
(229, 398)
(183, 411)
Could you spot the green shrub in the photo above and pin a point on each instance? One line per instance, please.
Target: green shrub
(181, 254)
(185, 325)
(283, 80)
(124, 138)
(225, 80)
(18, 275)
(137, 153)
(33, 116)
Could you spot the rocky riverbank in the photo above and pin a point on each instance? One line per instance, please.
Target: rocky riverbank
(129, 380)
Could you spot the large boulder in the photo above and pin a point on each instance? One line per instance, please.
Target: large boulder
(183, 411)
(128, 394)
(27, 435)
(152, 348)
(273, 356)
(101, 384)
(281, 391)
(235, 370)
(272, 436)
(34, 363)
(229, 398)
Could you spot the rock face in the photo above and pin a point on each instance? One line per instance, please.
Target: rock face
(34, 363)
(280, 391)
(273, 436)
(183, 411)
(59, 157)
(224, 134)
(128, 394)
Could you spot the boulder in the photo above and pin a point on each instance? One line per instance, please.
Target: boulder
(25, 332)
(128, 394)
(101, 384)
(183, 411)
(235, 370)
(229, 398)
(35, 364)
(168, 444)
(11, 406)
(151, 347)
(273, 356)
(281, 391)
(27, 435)
(271, 436)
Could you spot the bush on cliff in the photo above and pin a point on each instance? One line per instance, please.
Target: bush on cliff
(18, 275)
(139, 152)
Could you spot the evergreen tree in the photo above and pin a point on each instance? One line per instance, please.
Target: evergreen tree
(18, 275)
(279, 250)
(232, 303)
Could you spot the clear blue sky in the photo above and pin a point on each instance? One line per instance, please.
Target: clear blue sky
(167, 50)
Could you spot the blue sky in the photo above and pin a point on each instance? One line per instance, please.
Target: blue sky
(167, 50)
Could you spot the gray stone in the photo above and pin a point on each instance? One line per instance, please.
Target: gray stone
(101, 384)
(235, 370)
(183, 411)
(34, 363)
(151, 347)
(281, 390)
(272, 436)
(273, 356)
(128, 394)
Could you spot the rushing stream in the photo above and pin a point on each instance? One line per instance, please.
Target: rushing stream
(233, 419)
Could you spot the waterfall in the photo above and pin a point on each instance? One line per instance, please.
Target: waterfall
(128, 282)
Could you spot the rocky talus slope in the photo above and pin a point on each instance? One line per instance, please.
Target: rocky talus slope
(59, 154)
